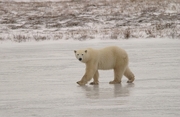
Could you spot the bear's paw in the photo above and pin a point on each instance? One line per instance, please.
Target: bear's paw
(81, 83)
(94, 83)
(114, 82)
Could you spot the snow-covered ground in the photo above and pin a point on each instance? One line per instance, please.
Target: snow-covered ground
(89, 19)
(39, 80)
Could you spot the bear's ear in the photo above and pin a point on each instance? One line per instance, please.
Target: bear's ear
(85, 51)
(74, 51)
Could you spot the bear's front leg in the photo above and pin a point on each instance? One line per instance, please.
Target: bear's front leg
(90, 71)
(95, 77)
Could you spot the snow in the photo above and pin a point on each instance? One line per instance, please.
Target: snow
(38, 79)
(88, 19)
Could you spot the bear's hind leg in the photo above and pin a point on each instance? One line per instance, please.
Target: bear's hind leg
(118, 74)
(129, 75)
(95, 77)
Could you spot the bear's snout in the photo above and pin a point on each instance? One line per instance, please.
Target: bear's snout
(80, 59)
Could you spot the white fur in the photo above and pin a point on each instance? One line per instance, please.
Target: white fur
(104, 59)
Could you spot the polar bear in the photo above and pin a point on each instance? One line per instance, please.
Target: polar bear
(106, 58)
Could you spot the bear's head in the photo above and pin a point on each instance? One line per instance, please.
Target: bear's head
(81, 55)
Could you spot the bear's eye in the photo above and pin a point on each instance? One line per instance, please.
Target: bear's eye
(78, 54)
(82, 54)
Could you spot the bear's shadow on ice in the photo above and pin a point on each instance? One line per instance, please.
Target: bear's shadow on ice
(112, 91)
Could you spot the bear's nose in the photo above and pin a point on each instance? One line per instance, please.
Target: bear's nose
(80, 59)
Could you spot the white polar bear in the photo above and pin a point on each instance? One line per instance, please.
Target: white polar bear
(104, 59)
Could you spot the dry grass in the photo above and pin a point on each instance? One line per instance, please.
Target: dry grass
(87, 19)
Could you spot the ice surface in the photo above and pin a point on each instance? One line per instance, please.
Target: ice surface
(39, 80)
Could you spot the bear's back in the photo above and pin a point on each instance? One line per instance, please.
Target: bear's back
(110, 56)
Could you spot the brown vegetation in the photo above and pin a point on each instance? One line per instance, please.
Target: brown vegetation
(83, 19)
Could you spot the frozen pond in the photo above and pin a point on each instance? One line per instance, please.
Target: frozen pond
(39, 80)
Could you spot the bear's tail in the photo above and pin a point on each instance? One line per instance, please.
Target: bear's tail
(129, 75)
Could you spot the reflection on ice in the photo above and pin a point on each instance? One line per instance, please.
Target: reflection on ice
(97, 92)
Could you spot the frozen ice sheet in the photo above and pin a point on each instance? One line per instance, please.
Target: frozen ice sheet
(39, 80)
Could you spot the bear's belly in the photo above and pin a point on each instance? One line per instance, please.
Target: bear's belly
(106, 66)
